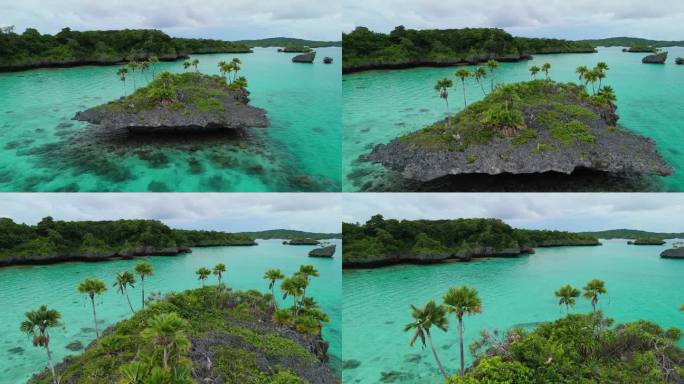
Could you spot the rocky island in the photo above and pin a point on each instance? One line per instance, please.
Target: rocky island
(305, 58)
(674, 253)
(217, 336)
(180, 102)
(646, 241)
(302, 241)
(679, 61)
(658, 58)
(531, 127)
(326, 251)
(52, 241)
(381, 242)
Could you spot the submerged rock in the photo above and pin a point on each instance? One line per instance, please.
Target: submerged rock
(305, 58)
(556, 128)
(658, 58)
(674, 253)
(181, 102)
(328, 251)
(75, 346)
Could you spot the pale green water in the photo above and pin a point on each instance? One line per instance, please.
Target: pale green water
(381, 105)
(299, 152)
(26, 288)
(640, 285)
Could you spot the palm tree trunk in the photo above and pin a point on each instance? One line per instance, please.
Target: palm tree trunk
(275, 303)
(142, 290)
(129, 301)
(492, 84)
(482, 87)
(460, 343)
(434, 352)
(166, 357)
(92, 301)
(52, 366)
(465, 102)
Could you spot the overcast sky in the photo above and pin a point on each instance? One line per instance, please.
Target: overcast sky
(573, 212)
(577, 19)
(229, 20)
(233, 212)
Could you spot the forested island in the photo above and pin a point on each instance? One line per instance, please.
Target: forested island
(52, 241)
(381, 242)
(285, 41)
(211, 334)
(407, 48)
(632, 42)
(633, 234)
(646, 241)
(289, 234)
(31, 49)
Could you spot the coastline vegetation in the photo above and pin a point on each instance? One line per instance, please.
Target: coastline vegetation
(289, 234)
(31, 49)
(380, 238)
(577, 348)
(153, 346)
(64, 239)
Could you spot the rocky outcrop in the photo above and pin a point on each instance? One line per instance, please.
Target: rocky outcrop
(674, 253)
(327, 60)
(305, 58)
(679, 61)
(646, 242)
(658, 58)
(440, 150)
(302, 242)
(328, 251)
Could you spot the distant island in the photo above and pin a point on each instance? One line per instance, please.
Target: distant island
(302, 241)
(68, 48)
(285, 41)
(647, 241)
(633, 234)
(381, 242)
(632, 42)
(52, 241)
(407, 48)
(289, 234)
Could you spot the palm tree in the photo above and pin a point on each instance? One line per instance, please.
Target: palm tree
(166, 331)
(608, 94)
(462, 301)
(195, 63)
(567, 295)
(581, 71)
(143, 269)
(132, 66)
(236, 67)
(307, 271)
(202, 274)
(545, 68)
(153, 61)
(425, 318)
(591, 77)
(463, 74)
(593, 289)
(442, 87)
(479, 74)
(273, 275)
(123, 280)
(92, 287)
(186, 65)
(533, 71)
(601, 68)
(219, 270)
(144, 66)
(223, 68)
(122, 76)
(36, 325)
(293, 286)
(493, 65)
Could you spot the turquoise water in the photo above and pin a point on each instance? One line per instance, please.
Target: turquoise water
(42, 149)
(381, 105)
(514, 291)
(26, 288)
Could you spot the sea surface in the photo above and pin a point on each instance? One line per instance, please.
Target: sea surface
(514, 291)
(42, 149)
(27, 287)
(381, 105)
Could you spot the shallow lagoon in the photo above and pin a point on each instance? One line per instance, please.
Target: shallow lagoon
(26, 288)
(381, 105)
(42, 149)
(515, 291)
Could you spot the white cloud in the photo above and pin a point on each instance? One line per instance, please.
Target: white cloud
(576, 212)
(222, 211)
(552, 18)
(230, 20)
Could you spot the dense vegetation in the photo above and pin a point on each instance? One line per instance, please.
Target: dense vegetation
(632, 42)
(632, 234)
(284, 41)
(32, 49)
(71, 238)
(379, 238)
(199, 334)
(647, 241)
(290, 234)
(365, 48)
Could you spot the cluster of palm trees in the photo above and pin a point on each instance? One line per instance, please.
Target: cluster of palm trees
(460, 301)
(132, 66)
(534, 70)
(218, 271)
(593, 76)
(442, 86)
(191, 63)
(464, 301)
(294, 286)
(226, 68)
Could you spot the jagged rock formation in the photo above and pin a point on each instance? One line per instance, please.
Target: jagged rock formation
(328, 251)
(305, 58)
(658, 58)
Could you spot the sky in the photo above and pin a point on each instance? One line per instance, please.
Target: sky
(231, 212)
(656, 212)
(577, 19)
(221, 19)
